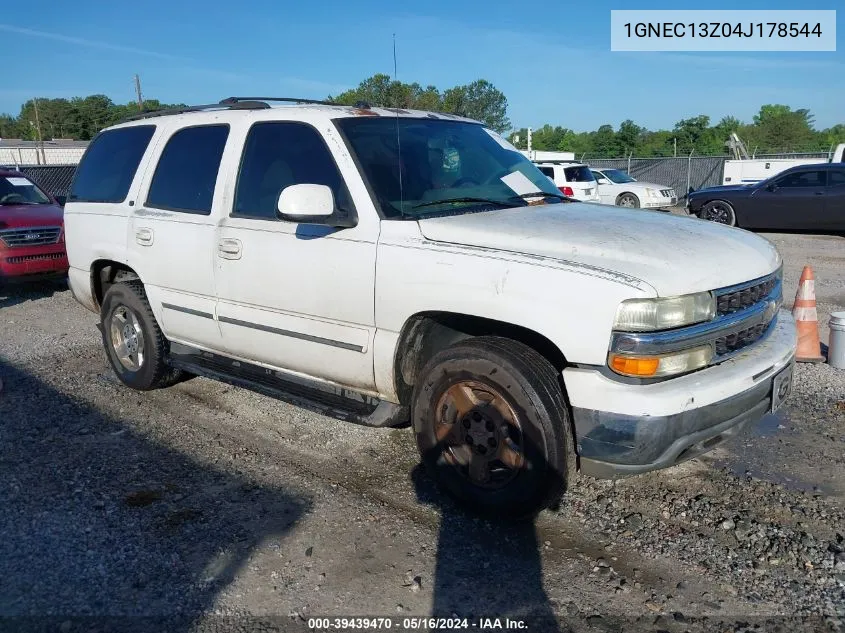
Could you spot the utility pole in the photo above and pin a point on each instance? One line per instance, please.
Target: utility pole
(529, 140)
(38, 130)
(675, 143)
(138, 92)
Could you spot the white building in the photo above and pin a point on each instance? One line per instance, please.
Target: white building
(53, 152)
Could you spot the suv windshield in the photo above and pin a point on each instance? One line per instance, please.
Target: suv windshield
(581, 173)
(446, 166)
(617, 176)
(20, 190)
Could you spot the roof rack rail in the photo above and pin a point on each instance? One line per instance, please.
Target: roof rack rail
(230, 103)
(235, 100)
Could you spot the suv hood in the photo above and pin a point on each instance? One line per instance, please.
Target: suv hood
(674, 254)
(23, 215)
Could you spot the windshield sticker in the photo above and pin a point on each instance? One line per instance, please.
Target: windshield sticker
(501, 141)
(519, 182)
(17, 181)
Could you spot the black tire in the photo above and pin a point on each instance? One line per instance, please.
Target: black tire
(719, 211)
(127, 300)
(628, 200)
(530, 388)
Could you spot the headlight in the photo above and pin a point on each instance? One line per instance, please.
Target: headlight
(662, 365)
(653, 193)
(664, 313)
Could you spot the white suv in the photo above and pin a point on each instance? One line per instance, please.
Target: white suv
(386, 266)
(574, 180)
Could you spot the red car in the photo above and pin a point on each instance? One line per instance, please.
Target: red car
(32, 241)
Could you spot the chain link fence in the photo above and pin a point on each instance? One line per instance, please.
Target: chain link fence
(54, 179)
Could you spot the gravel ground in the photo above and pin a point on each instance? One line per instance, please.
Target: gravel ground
(209, 505)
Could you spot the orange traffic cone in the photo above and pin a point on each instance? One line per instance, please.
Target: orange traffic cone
(807, 320)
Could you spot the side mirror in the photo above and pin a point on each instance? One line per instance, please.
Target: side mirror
(771, 187)
(603, 181)
(310, 204)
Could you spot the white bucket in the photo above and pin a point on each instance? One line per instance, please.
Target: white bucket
(836, 349)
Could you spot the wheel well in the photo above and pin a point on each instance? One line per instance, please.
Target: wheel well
(627, 193)
(427, 333)
(105, 273)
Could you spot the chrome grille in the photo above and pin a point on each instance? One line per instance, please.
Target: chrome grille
(736, 300)
(668, 193)
(736, 341)
(34, 258)
(30, 236)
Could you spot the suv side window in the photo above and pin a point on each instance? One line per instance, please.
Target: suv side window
(548, 171)
(109, 165)
(186, 173)
(278, 154)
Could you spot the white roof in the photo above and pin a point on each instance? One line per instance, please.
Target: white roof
(313, 113)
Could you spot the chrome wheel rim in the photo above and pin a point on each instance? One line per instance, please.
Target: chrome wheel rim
(720, 213)
(626, 201)
(480, 433)
(127, 338)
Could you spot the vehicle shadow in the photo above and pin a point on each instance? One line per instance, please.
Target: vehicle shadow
(13, 293)
(485, 568)
(104, 528)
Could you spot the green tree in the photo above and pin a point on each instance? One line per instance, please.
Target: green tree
(779, 128)
(630, 136)
(481, 101)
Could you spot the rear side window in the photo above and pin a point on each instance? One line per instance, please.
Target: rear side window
(548, 171)
(578, 174)
(279, 154)
(109, 165)
(186, 173)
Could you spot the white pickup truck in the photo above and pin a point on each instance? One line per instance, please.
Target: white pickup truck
(390, 266)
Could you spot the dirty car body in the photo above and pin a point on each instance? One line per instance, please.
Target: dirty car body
(431, 247)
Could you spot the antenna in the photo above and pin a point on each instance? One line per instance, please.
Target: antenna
(398, 141)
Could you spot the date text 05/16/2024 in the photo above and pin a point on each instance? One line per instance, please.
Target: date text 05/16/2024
(416, 623)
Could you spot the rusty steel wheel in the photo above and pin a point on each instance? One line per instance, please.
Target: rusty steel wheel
(481, 432)
(492, 426)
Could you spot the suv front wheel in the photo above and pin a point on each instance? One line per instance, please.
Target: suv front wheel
(134, 344)
(493, 428)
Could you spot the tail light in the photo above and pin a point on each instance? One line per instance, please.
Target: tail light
(567, 191)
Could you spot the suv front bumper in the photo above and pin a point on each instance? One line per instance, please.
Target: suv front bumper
(624, 428)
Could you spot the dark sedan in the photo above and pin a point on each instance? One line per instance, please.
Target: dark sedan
(804, 197)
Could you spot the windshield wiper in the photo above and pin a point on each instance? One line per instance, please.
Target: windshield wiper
(543, 194)
(431, 203)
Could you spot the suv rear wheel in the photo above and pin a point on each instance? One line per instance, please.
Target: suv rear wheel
(493, 428)
(134, 344)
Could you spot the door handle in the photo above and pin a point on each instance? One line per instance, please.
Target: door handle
(144, 237)
(819, 193)
(229, 248)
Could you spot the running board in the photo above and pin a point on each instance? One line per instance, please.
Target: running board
(336, 402)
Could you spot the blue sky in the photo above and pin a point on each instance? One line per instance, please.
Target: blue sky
(551, 59)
